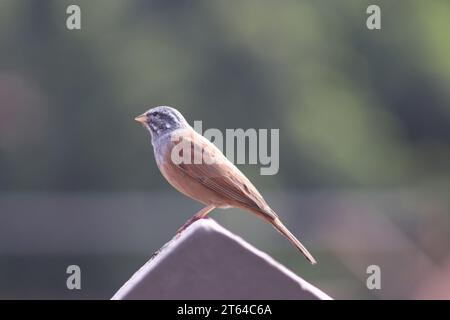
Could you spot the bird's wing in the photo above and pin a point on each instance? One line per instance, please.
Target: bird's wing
(220, 175)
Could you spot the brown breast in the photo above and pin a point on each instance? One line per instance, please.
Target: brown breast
(185, 183)
(216, 182)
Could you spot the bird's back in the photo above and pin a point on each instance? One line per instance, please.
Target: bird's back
(215, 180)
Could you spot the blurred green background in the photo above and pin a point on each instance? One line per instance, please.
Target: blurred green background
(364, 119)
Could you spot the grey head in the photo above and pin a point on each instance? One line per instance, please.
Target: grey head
(162, 120)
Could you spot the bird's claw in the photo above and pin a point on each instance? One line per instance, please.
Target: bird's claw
(188, 223)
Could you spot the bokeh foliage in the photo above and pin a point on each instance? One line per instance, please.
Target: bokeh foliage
(355, 108)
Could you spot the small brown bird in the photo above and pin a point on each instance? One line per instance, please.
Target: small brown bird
(198, 169)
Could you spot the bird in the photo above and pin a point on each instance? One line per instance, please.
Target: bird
(213, 181)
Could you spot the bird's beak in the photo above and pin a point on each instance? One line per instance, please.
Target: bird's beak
(142, 118)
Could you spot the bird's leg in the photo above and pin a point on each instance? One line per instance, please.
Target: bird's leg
(199, 215)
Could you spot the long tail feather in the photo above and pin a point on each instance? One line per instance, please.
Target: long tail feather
(279, 226)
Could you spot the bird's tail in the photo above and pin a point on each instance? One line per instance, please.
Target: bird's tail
(279, 226)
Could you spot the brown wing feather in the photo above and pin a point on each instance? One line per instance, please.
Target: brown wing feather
(221, 176)
(224, 179)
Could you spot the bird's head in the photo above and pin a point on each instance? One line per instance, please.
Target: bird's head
(161, 120)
